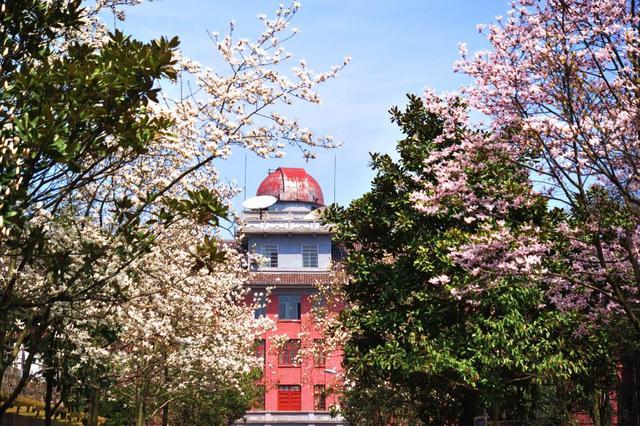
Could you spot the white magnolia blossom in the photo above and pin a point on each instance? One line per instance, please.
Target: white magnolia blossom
(181, 327)
(175, 324)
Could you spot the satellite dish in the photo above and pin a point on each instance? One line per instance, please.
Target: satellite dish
(260, 202)
(315, 214)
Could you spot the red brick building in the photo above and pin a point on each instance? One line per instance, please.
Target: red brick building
(299, 374)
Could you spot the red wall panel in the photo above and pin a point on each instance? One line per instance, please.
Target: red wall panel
(306, 374)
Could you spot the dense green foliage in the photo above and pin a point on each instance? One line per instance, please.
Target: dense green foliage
(81, 112)
(220, 406)
(425, 350)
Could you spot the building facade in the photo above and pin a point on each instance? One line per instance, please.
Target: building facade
(300, 375)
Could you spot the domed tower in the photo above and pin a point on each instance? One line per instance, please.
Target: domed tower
(282, 224)
(294, 189)
(296, 207)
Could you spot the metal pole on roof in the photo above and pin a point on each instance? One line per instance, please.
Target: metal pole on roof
(245, 176)
(334, 177)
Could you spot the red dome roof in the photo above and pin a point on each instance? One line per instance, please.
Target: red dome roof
(292, 184)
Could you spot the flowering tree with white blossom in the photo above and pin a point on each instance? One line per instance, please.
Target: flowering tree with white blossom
(104, 177)
(185, 329)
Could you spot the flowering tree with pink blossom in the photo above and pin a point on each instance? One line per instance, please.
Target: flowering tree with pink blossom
(560, 87)
(432, 338)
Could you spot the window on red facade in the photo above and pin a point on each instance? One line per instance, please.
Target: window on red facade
(289, 398)
(258, 403)
(319, 357)
(259, 346)
(319, 398)
(319, 301)
(260, 301)
(289, 353)
(289, 307)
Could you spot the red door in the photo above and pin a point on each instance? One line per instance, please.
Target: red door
(289, 398)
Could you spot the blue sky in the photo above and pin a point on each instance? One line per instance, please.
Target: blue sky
(397, 47)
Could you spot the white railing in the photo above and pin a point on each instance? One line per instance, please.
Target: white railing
(287, 417)
(293, 226)
(287, 222)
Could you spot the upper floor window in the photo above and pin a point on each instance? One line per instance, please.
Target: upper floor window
(319, 354)
(259, 347)
(337, 253)
(309, 256)
(288, 355)
(270, 252)
(319, 301)
(289, 307)
(260, 301)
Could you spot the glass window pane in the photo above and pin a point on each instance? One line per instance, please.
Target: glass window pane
(289, 307)
(258, 404)
(289, 353)
(319, 357)
(260, 346)
(270, 252)
(319, 398)
(309, 256)
(261, 305)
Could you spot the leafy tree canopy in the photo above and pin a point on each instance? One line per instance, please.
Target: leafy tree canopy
(422, 342)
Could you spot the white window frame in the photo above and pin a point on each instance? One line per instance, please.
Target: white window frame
(307, 256)
(270, 258)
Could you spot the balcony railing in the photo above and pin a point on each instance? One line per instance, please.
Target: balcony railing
(281, 223)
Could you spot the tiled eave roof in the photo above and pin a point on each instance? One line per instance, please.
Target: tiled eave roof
(288, 278)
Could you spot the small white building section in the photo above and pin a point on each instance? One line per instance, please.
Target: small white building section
(289, 233)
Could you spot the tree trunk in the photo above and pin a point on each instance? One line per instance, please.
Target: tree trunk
(7, 402)
(165, 415)
(142, 404)
(48, 377)
(91, 416)
(140, 414)
(469, 408)
(36, 339)
(629, 390)
(165, 409)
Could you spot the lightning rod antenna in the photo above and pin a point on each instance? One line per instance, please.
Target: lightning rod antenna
(245, 176)
(334, 178)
